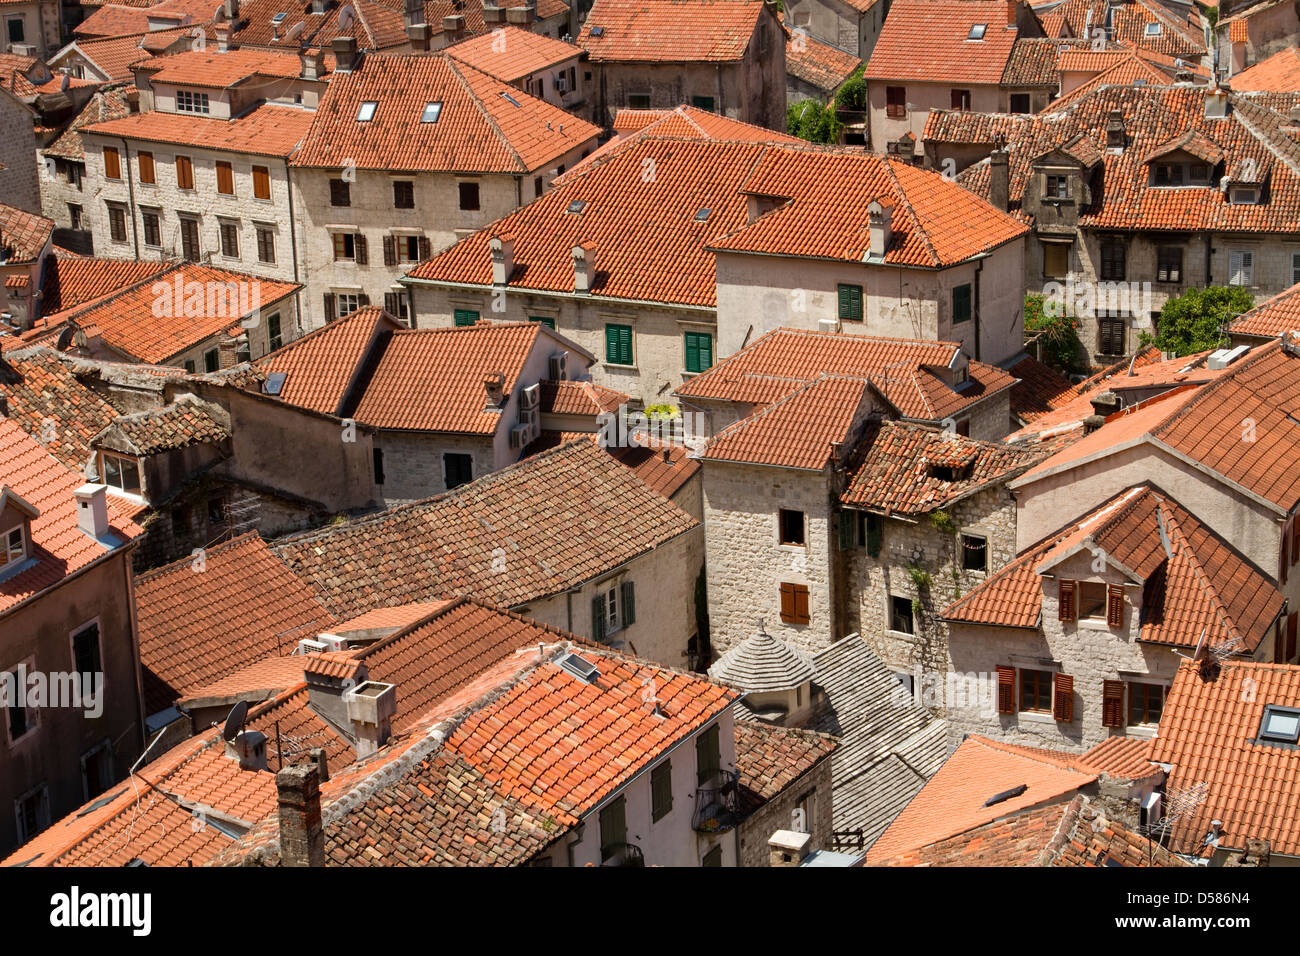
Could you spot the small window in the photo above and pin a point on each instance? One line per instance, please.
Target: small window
(340, 192)
(13, 547)
(1020, 103)
(265, 244)
(1092, 600)
(273, 331)
(1113, 260)
(1036, 691)
(702, 215)
(961, 303)
(261, 182)
(974, 553)
(225, 178)
(849, 299)
(702, 103)
(1280, 725)
(1146, 703)
(191, 102)
(977, 31)
(211, 360)
(464, 317)
(1295, 267)
(618, 345)
(960, 100)
(546, 320)
(33, 813)
(229, 240)
(1244, 196)
(469, 199)
(121, 473)
(1111, 336)
(1241, 267)
(345, 246)
(638, 101)
(509, 99)
(792, 527)
(661, 791)
(458, 469)
(613, 829)
(1169, 264)
(117, 223)
(900, 615)
(708, 756)
(74, 217)
(1056, 260)
(1152, 29)
(794, 603)
(1199, 173)
(378, 456)
(431, 112)
(366, 112)
(1058, 187)
(1169, 174)
(189, 366)
(403, 194)
(699, 351)
(86, 652)
(17, 30)
(896, 102)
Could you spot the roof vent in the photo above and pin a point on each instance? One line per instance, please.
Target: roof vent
(580, 668)
(1006, 795)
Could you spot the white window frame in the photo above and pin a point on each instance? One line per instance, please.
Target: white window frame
(193, 101)
(121, 492)
(1243, 269)
(613, 610)
(353, 297)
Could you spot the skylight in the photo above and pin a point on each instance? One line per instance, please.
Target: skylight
(703, 215)
(577, 206)
(279, 18)
(598, 31)
(275, 383)
(1281, 725)
(1153, 30)
(431, 112)
(510, 99)
(367, 111)
(580, 667)
(977, 31)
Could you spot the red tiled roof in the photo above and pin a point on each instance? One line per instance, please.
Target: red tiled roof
(665, 468)
(510, 53)
(1125, 757)
(673, 31)
(401, 616)
(1034, 62)
(23, 235)
(579, 398)
(901, 369)
(72, 280)
(270, 129)
(375, 25)
(572, 514)
(210, 67)
(824, 66)
(1279, 73)
(58, 544)
(480, 127)
(185, 422)
(1040, 389)
(53, 406)
(115, 55)
(953, 801)
(1126, 23)
(895, 476)
(258, 680)
(199, 623)
(926, 40)
(1271, 318)
(770, 759)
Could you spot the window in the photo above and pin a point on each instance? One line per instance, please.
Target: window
(1145, 704)
(16, 27)
(431, 112)
(145, 163)
(86, 653)
(405, 248)
(1020, 103)
(974, 553)
(189, 366)
(896, 102)
(638, 101)
(1092, 600)
(116, 223)
(396, 305)
(348, 302)
(960, 100)
(537, 186)
(900, 615)
(713, 858)
(1280, 725)
(977, 31)
(708, 756)
(261, 182)
(14, 547)
(1056, 260)
(1168, 174)
(794, 603)
(613, 828)
(468, 196)
(191, 102)
(702, 103)
(190, 250)
(457, 469)
(378, 458)
(661, 791)
(1112, 260)
(112, 163)
(1152, 29)
(345, 246)
(225, 178)
(618, 345)
(699, 351)
(791, 527)
(1295, 267)
(464, 317)
(961, 303)
(1199, 173)
(1110, 336)
(265, 244)
(849, 298)
(121, 473)
(96, 770)
(366, 112)
(273, 331)
(74, 216)
(403, 194)
(184, 173)
(1169, 264)
(545, 320)
(1241, 267)
(1036, 691)
(1058, 187)
(229, 239)
(21, 719)
(340, 192)
(33, 813)
(211, 360)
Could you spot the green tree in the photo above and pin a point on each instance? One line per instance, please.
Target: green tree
(1057, 330)
(809, 120)
(1194, 321)
(852, 94)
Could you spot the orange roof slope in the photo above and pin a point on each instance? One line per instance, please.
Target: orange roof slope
(1209, 733)
(824, 66)
(673, 31)
(484, 125)
(510, 54)
(115, 55)
(953, 801)
(905, 371)
(211, 67)
(199, 623)
(1280, 73)
(1128, 758)
(928, 40)
(23, 235)
(268, 130)
(1272, 318)
(1040, 389)
(1127, 23)
(58, 546)
(72, 280)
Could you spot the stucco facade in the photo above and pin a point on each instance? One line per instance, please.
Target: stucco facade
(838, 23)
(33, 28)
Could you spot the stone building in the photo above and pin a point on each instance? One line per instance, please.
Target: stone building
(726, 58)
(26, 243)
(815, 70)
(1248, 33)
(32, 28)
(18, 175)
(784, 779)
(849, 25)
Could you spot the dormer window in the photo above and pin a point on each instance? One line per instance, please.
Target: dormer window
(121, 473)
(1168, 174)
(977, 31)
(14, 543)
(366, 112)
(1243, 195)
(1199, 173)
(1281, 725)
(1058, 187)
(949, 473)
(190, 102)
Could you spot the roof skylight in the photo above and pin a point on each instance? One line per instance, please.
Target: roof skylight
(977, 31)
(1281, 725)
(1153, 29)
(366, 112)
(577, 206)
(703, 215)
(431, 112)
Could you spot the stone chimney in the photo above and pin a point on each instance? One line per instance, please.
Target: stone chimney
(1115, 136)
(503, 258)
(222, 31)
(788, 848)
(584, 267)
(522, 16)
(92, 509)
(494, 384)
(231, 9)
(371, 707)
(1107, 403)
(879, 227)
(1000, 179)
(1013, 8)
(418, 35)
(493, 13)
(1216, 103)
(345, 53)
(310, 60)
(302, 835)
(454, 27)
(248, 749)
(322, 763)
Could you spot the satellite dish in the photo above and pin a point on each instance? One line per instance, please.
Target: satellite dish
(295, 30)
(235, 721)
(346, 15)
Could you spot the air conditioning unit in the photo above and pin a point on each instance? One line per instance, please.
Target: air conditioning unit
(558, 367)
(332, 642)
(309, 646)
(520, 436)
(828, 325)
(562, 83)
(529, 399)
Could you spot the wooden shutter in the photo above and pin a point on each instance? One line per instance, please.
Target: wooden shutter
(426, 247)
(1115, 605)
(184, 173)
(112, 163)
(225, 179)
(1065, 600)
(1295, 539)
(390, 251)
(363, 257)
(146, 167)
(801, 604)
(598, 617)
(1112, 703)
(846, 528)
(850, 303)
(329, 306)
(787, 603)
(1063, 697)
(1006, 690)
(1285, 555)
(261, 182)
(627, 592)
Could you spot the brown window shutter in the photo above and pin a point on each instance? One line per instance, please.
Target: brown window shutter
(426, 247)
(1006, 690)
(801, 604)
(146, 167)
(329, 307)
(787, 603)
(112, 163)
(1112, 703)
(261, 182)
(363, 256)
(225, 179)
(1115, 605)
(390, 251)
(1063, 697)
(1295, 540)
(184, 173)
(1285, 558)
(1065, 600)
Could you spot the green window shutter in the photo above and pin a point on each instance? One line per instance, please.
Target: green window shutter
(628, 595)
(699, 351)
(546, 320)
(598, 618)
(613, 826)
(465, 317)
(708, 758)
(706, 351)
(850, 299)
(961, 304)
(847, 521)
(618, 344)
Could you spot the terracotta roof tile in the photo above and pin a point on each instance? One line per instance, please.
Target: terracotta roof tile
(1279, 73)
(268, 130)
(928, 40)
(1271, 318)
(510, 54)
(1128, 758)
(1040, 389)
(211, 67)
(115, 55)
(53, 406)
(398, 617)
(375, 25)
(770, 759)
(1034, 62)
(256, 681)
(71, 281)
(666, 468)
(319, 366)
(24, 235)
(824, 66)
(579, 398)
(185, 422)
(1127, 23)
(672, 31)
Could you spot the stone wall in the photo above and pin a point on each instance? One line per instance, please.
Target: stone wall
(413, 462)
(778, 814)
(18, 177)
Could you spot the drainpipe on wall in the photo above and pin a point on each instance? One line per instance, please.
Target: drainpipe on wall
(130, 192)
(293, 245)
(975, 311)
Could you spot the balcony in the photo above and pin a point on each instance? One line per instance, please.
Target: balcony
(717, 806)
(621, 854)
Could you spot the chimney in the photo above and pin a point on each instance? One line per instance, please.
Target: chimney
(493, 13)
(317, 6)
(248, 749)
(302, 835)
(310, 60)
(345, 53)
(584, 267)
(418, 36)
(92, 510)
(494, 385)
(319, 758)
(231, 9)
(1216, 103)
(879, 218)
(1013, 7)
(503, 258)
(328, 680)
(788, 847)
(371, 707)
(1000, 179)
(454, 27)
(522, 16)
(1115, 138)
(1104, 404)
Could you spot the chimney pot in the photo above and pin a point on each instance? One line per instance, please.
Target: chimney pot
(1115, 137)
(584, 267)
(788, 847)
(493, 13)
(494, 385)
(302, 834)
(92, 509)
(418, 34)
(502, 249)
(371, 706)
(879, 227)
(1000, 179)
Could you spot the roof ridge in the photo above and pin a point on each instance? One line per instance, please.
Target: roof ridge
(455, 66)
(1058, 759)
(911, 211)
